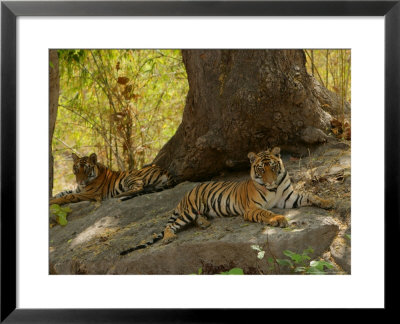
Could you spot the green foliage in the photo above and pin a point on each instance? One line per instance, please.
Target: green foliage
(60, 213)
(284, 262)
(122, 104)
(299, 258)
(233, 271)
(70, 55)
(297, 263)
(317, 267)
(332, 68)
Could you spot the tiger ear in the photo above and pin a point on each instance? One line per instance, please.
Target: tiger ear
(252, 156)
(276, 151)
(75, 157)
(93, 158)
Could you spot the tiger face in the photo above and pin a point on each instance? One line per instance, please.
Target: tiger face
(85, 169)
(266, 167)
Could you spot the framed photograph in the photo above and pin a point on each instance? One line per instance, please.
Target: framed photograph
(125, 123)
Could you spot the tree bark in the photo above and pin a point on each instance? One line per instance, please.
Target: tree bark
(54, 89)
(241, 101)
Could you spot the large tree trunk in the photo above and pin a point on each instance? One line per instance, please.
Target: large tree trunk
(54, 85)
(241, 101)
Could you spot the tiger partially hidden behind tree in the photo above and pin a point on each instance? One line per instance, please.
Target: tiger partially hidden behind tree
(96, 182)
(269, 187)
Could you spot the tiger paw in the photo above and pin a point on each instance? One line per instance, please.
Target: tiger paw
(278, 221)
(168, 240)
(169, 236)
(202, 222)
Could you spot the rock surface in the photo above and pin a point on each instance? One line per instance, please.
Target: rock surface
(91, 244)
(96, 233)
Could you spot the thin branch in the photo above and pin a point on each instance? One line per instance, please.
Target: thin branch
(312, 63)
(98, 130)
(65, 144)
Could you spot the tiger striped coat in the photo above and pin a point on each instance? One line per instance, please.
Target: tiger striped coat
(96, 182)
(269, 187)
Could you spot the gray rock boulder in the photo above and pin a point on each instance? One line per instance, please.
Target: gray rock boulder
(95, 235)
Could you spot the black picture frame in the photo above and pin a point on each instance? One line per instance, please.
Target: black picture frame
(9, 13)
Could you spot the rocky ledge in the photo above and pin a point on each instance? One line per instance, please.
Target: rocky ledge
(96, 233)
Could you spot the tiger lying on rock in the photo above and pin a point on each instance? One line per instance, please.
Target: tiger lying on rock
(96, 182)
(269, 187)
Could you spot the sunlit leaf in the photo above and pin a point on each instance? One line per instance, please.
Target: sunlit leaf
(260, 255)
(235, 271)
(256, 247)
